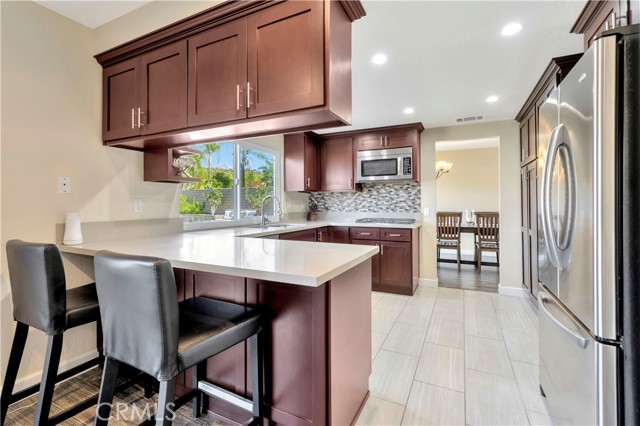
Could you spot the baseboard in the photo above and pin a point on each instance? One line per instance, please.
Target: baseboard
(428, 282)
(512, 291)
(34, 378)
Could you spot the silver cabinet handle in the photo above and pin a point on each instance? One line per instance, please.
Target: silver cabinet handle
(238, 91)
(580, 341)
(249, 89)
(365, 233)
(395, 235)
(308, 182)
(139, 117)
(381, 249)
(320, 236)
(350, 182)
(133, 118)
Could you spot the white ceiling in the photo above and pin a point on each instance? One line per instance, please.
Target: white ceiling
(445, 57)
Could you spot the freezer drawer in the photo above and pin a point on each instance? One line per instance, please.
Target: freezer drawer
(577, 373)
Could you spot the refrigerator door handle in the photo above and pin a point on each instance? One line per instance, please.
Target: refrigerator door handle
(579, 340)
(545, 201)
(569, 167)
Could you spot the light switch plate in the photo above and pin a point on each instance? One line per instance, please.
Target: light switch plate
(426, 211)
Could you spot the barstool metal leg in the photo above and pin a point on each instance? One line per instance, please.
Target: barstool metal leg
(197, 374)
(49, 374)
(165, 411)
(256, 348)
(107, 389)
(17, 349)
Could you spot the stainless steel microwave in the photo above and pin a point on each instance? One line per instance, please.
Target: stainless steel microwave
(385, 165)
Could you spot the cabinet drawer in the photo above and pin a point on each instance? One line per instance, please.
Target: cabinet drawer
(396, 235)
(365, 233)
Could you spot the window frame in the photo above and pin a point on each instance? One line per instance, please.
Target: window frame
(248, 220)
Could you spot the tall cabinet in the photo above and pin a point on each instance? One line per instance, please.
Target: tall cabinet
(530, 133)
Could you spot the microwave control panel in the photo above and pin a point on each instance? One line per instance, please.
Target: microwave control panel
(406, 166)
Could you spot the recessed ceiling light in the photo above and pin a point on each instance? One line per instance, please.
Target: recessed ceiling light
(492, 98)
(408, 110)
(511, 29)
(379, 58)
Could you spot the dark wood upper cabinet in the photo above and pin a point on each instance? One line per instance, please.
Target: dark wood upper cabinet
(599, 15)
(254, 68)
(218, 74)
(163, 89)
(387, 139)
(337, 164)
(301, 163)
(158, 165)
(147, 94)
(285, 58)
(120, 100)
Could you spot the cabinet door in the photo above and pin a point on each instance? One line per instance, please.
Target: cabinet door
(395, 264)
(528, 137)
(524, 228)
(286, 57)
(401, 139)
(370, 141)
(532, 229)
(323, 235)
(375, 260)
(338, 234)
(163, 89)
(336, 165)
(218, 74)
(120, 100)
(311, 178)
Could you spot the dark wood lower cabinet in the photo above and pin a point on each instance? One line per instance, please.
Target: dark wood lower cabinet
(306, 235)
(317, 369)
(375, 262)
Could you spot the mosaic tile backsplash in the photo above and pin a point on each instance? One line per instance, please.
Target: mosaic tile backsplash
(380, 197)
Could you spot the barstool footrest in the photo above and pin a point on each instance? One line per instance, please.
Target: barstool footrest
(218, 392)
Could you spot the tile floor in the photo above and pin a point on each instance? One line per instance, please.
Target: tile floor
(448, 356)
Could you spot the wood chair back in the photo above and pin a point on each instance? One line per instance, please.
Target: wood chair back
(488, 226)
(449, 225)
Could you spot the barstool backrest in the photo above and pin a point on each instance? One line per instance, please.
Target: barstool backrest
(38, 286)
(139, 311)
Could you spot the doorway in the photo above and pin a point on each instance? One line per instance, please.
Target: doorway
(469, 182)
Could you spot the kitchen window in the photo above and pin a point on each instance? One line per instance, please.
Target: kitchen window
(234, 179)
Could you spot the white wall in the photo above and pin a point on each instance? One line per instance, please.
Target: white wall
(472, 184)
(509, 164)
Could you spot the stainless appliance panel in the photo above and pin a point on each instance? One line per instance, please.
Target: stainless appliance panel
(575, 187)
(384, 165)
(577, 373)
(548, 121)
(606, 116)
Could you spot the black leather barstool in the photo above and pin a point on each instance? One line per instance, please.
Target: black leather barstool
(41, 301)
(144, 326)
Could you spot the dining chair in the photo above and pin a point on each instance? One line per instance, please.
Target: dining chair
(449, 232)
(488, 235)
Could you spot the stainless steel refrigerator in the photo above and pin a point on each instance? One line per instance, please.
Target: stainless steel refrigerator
(589, 237)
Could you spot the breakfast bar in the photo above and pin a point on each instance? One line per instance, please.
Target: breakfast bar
(318, 296)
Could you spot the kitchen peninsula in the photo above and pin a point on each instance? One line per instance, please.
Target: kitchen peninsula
(319, 298)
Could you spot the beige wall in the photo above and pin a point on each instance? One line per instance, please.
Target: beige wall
(509, 202)
(473, 183)
(51, 126)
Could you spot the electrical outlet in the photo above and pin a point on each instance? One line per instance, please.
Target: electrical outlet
(64, 185)
(137, 205)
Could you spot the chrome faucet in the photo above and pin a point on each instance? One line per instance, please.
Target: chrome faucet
(263, 218)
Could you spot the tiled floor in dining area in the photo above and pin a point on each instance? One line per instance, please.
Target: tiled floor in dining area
(448, 356)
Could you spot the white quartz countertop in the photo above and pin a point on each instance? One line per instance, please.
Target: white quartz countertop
(220, 251)
(240, 251)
